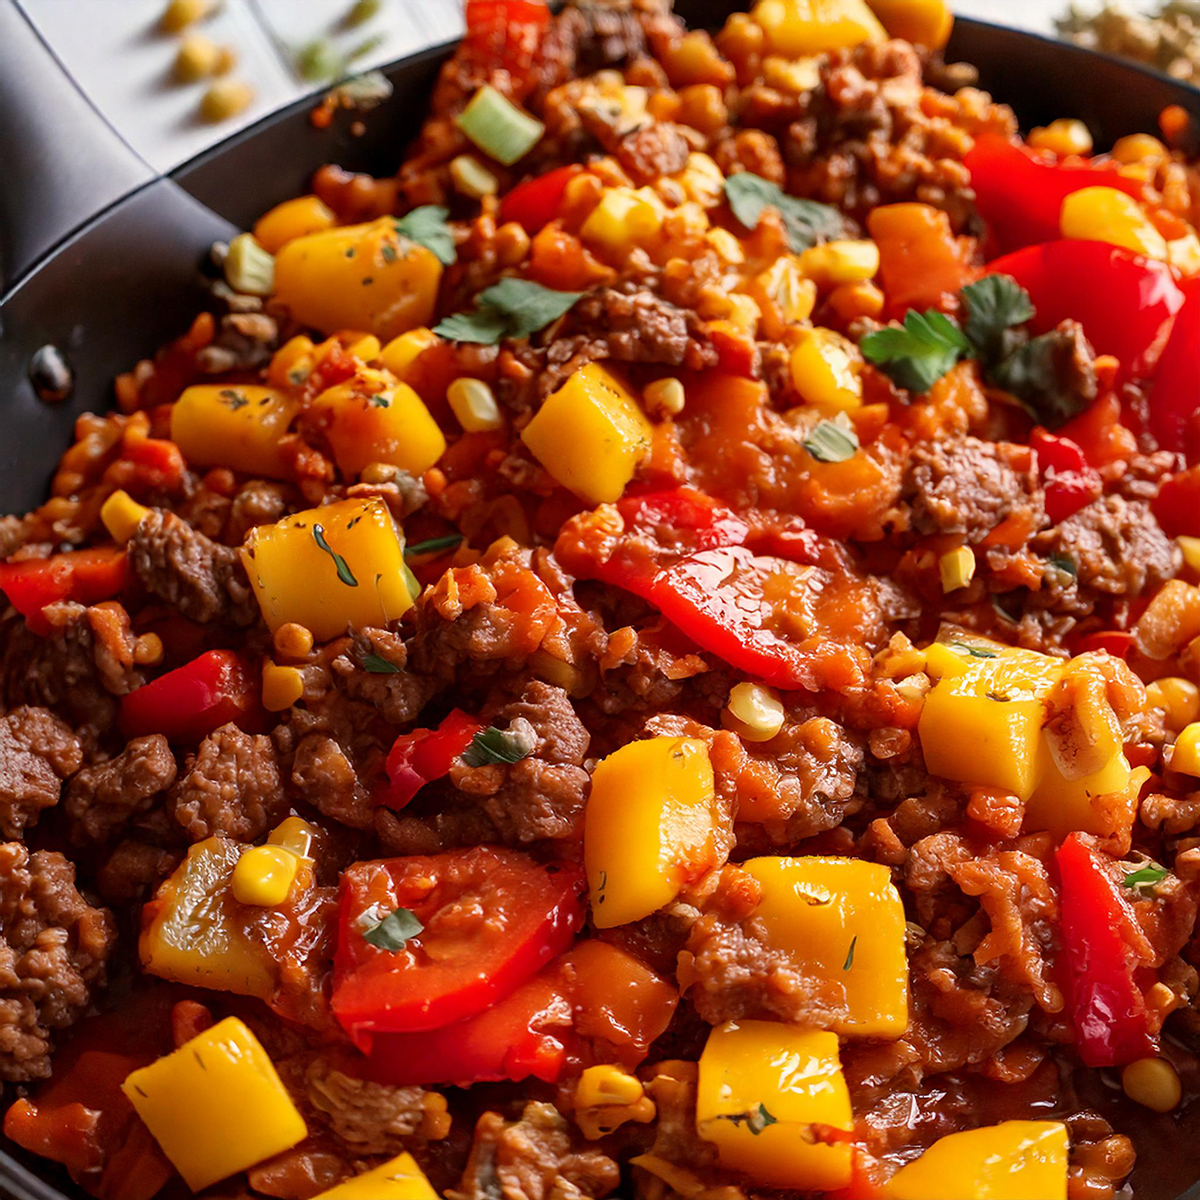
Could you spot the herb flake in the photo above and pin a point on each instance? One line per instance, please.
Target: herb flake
(832, 441)
(512, 308)
(807, 222)
(1146, 877)
(996, 306)
(344, 574)
(492, 745)
(427, 227)
(974, 651)
(433, 545)
(756, 1120)
(916, 355)
(850, 954)
(1031, 374)
(390, 932)
(376, 664)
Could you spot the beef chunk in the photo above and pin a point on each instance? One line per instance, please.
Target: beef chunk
(637, 327)
(107, 794)
(653, 151)
(37, 752)
(232, 786)
(326, 777)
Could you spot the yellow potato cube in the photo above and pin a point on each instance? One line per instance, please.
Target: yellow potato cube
(293, 218)
(591, 435)
(367, 277)
(762, 1087)
(841, 921)
(922, 22)
(216, 1105)
(373, 418)
(650, 822)
(329, 568)
(399, 1179)
(797, 28)
(401, 352)
(825, 369)
(1185, 754)
(121, 515)
(233, 425)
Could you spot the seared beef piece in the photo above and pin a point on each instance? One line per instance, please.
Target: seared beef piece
(653, 151)
(397, 695)
(325, 776)
(37, 752)
(53, 950)
(108, 794)
(133, 869)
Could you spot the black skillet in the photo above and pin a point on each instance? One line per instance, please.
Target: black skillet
(100, 258)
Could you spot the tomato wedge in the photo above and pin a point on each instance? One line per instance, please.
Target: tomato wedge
(491, 918)
(85, 576)
(419, 757)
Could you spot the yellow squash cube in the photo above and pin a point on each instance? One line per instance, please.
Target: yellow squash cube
(216, 1105)
(923, 22)
(330, 568)
(367, 277)
(591, 435)
(372, 418)
(1061, 805)
(825, 371)
(796, 28)
(650, 822)
(236, 425)
(1015, 1160)
(293, 218)
(841, 921)
(401, 352)
(763, 1086)
(399, 1179)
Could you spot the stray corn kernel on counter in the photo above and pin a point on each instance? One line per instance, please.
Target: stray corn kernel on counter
(654, 653)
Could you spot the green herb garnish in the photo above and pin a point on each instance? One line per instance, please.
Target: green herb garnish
(1065, 563)
(498, 127)
(918, 354)
(832, 441)
(756, 1120)
(996, 305)
(235, 400)
(492, 745)
(850, 954)
(512, 308)
(343, 569)
(1145, 878)
(433, 545)
(807, 222)
(974, 651)
(427, 227)
(1031, 375)
(390, 932)
(378, 665)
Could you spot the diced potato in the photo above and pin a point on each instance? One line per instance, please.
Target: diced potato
(650, 823)
(825, 371)
(366, 277)
(293, 218)
(841, 921)
(591, 435)
(372, 418)
(797, 28)
(233, 425)
(329, 568)
(216, 1105)
(399, 1179)
(923, 22)
(763, 1086)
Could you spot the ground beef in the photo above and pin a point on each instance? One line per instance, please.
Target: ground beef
(542, 796)
(258, 503)
(969, 486)
(52, 956)
(204, 580)
(37, 752)
(535, 1158)
(325, 776)
(1115, 546)
(397, 695)
(653, 151)
(107, 794)
(132, 869)
(232, 786)
(672, 1087)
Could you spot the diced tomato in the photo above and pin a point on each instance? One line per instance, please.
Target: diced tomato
(190, 702)
(1100, 434)
(84, 576)
(419, 757)
(1175, 399)
(1177, 505)
(535, 203)
(504, 35)
(491, 918)
(1070, 482)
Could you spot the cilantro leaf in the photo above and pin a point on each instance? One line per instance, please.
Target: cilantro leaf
(512, 308)
(492, 745)
(832, 441)
(807, 222)
(996, 305)
(389, 932)
(344, 574)
(1146, 877)
(427, 227)
(918, 354)
(432, 545)
(1041, 376)
(376, 664)
(486, 326)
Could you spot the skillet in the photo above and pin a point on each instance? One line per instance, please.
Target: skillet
(101, 258)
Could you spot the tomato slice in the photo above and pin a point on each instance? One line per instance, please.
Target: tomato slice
(423, 755)
(491, 917)
(85, 576)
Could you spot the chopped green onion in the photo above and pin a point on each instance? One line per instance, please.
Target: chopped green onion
(471, 178)
(433, 545)
(249, 269)
(498, 127)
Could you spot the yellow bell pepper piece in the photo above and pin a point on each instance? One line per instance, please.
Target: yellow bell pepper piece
(366, 277)
(841, 921)
(264, 876)
(797, 28)
(1185, 755)
(235, 425)
(1104, 214)
(329, 568)
(121, 515)
(923, 22)
(650, 822)
(399, 1179)
(294, 834)
(292, 219)
(372, 418)
(193, 933)
(825, 369)
(623, 219)
(1015, 1160)
(216, 1105)
(762, 1087)
(845, 261)
(591, 435)
(401, 352)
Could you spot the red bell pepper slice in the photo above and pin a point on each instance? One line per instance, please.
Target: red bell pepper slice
(419, 757)
(535, 203)
(1116, 642)
(1070, 483)
(187, 704)
(1175, 399)
(527, 913)
(1125, 303)
(1108, 1008)
(1177, 505)
(1020, 193)
(84, 576)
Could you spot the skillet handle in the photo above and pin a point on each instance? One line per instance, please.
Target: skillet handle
(63, 163)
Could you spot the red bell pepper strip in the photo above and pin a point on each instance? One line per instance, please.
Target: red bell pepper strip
(1100, 432)
(187, 704)
(1177, 505)
(1116, 642)
(1125, 303)
(419, 757)
(1020, 193)
(84, 576)
(1175, 399)
(535, 203)
(1108, 1008)
(457, 966)
(1070, 483)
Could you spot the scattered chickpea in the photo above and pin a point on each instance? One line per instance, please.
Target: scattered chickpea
(293, 641)
(224, 99)
(1179, 699)
(1153, 1083)
(148, 650)
(197, 58)
(665, 397)
(754, 711)
(1062, 137)
(179, 14)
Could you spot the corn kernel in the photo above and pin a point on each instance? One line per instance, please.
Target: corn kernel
(1105, 214)
(282, 686)
(366, 349)
(1153, 1083)
(607, 1084)
(264, 876)
(665, 397)
(197, 57)
(624, 218)
(179, 14)
(853, 300)
(1185, 756)
(474, 404)
(783, 289)
(788, 75)
(838, 262)
(1184, 254)
(727, 248)
(756, 710)
(121, 515)
(1179, 699)
(293, 641)
(224, 99)
(703, 180)
(1191, 551)
(148, 650)
(957, 568)
(1138, 147)
(471, 178)
(294, 834)
(825, 371)
(401, 352)
(1062, 137)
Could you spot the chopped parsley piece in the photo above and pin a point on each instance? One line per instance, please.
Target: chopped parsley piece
(832, 441)
(974, 651)
(916, 355)
(1146, 877)
(1031, 374)
(512, 308)
(756, 1120)
(806, 221)
(996, 305)
(433, 545)
(233, 398)
(344, 574)
(850, 954)
(427, 227)
(492, 745)
(378, 665)
(392, 931)
(1065, 563)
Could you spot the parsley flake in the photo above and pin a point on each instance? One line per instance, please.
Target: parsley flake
(996, 305)
(1042, 377)
(974, 651)
(832, 441)
(918, 354)
(806, 221)
(756, 1120)
(378, 665)
(433, 545)
(1065, 563)
(427, 227)
(1145, 878)
(492, 745)
(344, 574)
(512, 308)
(233, 398)
(850, 954)
(391, 931)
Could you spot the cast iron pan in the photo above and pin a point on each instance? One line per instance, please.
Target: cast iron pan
(101, 259)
